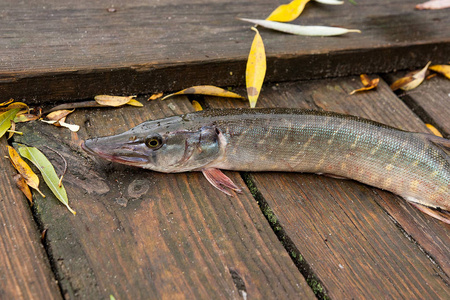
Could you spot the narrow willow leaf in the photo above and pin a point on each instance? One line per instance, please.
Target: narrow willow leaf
(330, 2)
(302, 30)
(155, 96)
(7, 102)
(368, 84)
(21, 118)
(48, 173)
(288, 12)
(114, 101)
(134, 102)
(411, 80)
(434, 130)
(59, 114)
(20, 105)
(23, 186)
(208, 90)
(256, 69)
(24, 169)
(434, 4)
(443, 69)
(6, 118)
(197, 105)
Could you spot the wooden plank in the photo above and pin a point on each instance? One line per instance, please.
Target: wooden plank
(24, 268)
(74, 50)
(356, 239)
(431, 101)
(146, 235)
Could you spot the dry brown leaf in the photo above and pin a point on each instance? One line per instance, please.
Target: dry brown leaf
(208, 90)
(442, 69)
(24, 169)
(113, 101)
(411, 80)
(368, 83)
(23, 186)
(25, 118)
(59, 114)
(155, 96)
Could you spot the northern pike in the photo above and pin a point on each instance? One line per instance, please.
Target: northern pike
(415, 166)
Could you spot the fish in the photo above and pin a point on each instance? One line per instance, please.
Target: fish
(413, 165)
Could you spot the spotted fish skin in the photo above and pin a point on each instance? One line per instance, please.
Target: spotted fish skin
(415, 166)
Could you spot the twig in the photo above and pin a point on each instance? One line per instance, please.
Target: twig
(83, 104)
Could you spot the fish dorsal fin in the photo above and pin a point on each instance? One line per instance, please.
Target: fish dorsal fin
(441, 143)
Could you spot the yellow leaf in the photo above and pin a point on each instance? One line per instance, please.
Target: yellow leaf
(443, 69)
(114, 101)
(196, 106)
(25, 118)
(368, 83)
(48, 173)
(206, 90)
(6, 118)
(7, 102)
(14, 105)
(134, 102)
(434, 130)
(288, 12)
(24, 169)
(155, 96)
(256, 69)
(22, 185)
(411, 80)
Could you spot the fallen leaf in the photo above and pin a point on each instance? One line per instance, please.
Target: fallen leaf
(442, 69)
(434, 130)
(114, 101)
(196, 105)
(48, 173)
(155, 96)
(288, 12)
(208, 90)
(434, 4)
(7, 102)
(301, 30)
(256, 69)
(368, 83)
(330, 2)
(24, 169)
(21, 118)
(411, 80)
(6, 118)
(20, 105)
(58, 115)
(23, 186)
(12, 130)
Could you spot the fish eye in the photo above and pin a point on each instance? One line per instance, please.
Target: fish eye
(153, 142)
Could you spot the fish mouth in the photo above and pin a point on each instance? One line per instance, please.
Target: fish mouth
(108, 152)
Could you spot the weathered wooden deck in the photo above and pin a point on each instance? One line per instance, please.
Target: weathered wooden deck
(145, 235)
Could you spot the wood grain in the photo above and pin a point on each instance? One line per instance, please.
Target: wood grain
(145, 235)
(356, 239)
(24, 268)
(60, 50)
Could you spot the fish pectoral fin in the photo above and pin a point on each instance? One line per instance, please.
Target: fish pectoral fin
(220, 181)
(440, 215)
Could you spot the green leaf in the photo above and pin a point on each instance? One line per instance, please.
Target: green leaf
(48, 173)
(5, 120)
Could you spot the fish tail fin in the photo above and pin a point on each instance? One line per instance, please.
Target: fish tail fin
(441, 143)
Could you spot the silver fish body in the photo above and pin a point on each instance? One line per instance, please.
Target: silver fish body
(415, 166)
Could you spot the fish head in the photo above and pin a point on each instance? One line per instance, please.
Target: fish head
(161, 145)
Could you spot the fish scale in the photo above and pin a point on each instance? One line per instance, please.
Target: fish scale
(415, 166)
